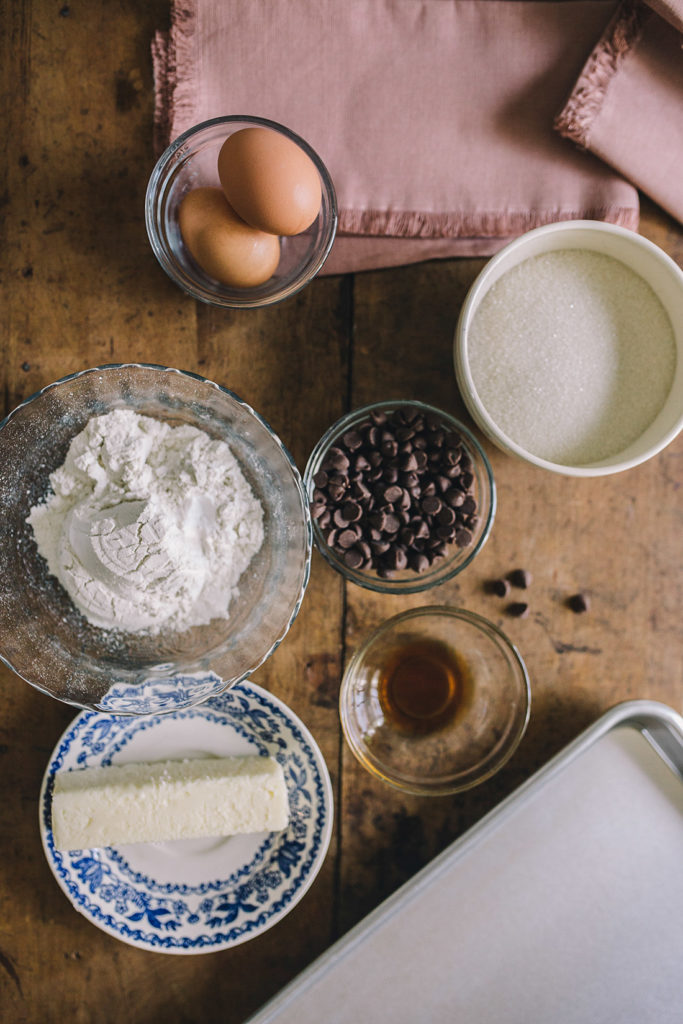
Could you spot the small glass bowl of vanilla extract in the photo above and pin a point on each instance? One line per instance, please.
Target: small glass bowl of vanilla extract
(435, 701)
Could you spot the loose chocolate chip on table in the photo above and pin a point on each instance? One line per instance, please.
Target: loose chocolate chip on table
(520, 578)
(519, 609)
(579, 603)
(501, 588)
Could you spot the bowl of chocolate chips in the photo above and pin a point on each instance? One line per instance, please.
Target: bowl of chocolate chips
(402, 496)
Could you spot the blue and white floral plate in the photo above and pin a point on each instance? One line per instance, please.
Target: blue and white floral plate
(196, 895)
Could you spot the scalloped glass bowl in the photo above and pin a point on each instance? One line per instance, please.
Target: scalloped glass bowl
(408, 581)
(191, 162)
(487, 727)
(44, 638)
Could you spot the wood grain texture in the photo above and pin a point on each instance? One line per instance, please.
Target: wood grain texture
(80, 286)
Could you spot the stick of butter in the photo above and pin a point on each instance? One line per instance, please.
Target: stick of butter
(144, 803)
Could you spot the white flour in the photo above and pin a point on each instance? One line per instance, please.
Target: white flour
(150, 526)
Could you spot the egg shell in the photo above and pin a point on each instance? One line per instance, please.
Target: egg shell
(269, 180)
(224, 246)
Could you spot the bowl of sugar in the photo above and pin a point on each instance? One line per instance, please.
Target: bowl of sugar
(569, 348)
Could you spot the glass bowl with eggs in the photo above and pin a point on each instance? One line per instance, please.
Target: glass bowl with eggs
(241, 212)
(156, 539)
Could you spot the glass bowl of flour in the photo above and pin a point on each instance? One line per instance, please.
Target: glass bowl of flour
(569, 348)
(156, 539)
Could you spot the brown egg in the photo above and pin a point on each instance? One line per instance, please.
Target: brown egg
(229, 250)
(269, 181)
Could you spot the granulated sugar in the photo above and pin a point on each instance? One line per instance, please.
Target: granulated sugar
(573, 355)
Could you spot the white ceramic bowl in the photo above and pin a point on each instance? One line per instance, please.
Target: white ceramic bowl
(640, 255)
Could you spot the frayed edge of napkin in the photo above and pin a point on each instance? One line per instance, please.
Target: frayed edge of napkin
(173, 60)
(583, 106)
(482, 224)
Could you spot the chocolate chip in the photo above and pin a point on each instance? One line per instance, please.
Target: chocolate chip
(408, 463)
(519, 609)
(431, 505)
(501, 588)
(418, 561)
(446, 516)
(338, 459)
(392, 523)
(392, 493)
(379, 547)
(352, 440)
(346, 539)
(377, 520)
(454, 497)
(579, 603)
(339, 518)
(354, 558)
(352, 511)
(519, 577)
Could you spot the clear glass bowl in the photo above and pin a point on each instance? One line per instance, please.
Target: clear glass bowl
(45, 639)
(409, 581)
(191, 162)
(478, 732)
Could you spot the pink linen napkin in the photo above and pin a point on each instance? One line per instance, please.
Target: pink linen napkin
(434, 117)
(627, 105)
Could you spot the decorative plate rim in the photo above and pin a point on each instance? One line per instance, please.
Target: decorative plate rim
(215, 913)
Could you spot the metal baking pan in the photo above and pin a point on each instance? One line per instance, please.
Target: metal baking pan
(564, 905)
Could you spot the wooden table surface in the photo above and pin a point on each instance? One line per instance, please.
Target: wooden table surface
(81, 287)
